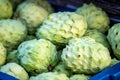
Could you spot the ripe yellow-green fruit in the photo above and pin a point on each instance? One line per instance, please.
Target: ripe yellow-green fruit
(6, 9)
(60, 27)
(3, 54)
(31, 15)
(98, 37)
(37, 56)
(12, 33)
(84, 55)
(43, 3)
(114, 39)
(95, 16)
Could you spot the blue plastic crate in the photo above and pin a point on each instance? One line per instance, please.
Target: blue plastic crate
(4, 76)
(111, 73)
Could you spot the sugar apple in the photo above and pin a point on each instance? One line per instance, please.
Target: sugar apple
(61, 68)
(43, 3)
(60, 27)
(99, 37)
(79, 77)
(84, 55)
(2, 54)
(37, 56)
(114, 61)
(31, 15)
(12, 56)
(114, 39)
(50, 76)
(95, 16)
(12, 32)
(6, 9)
(15, 70)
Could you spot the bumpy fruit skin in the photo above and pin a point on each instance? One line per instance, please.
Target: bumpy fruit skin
(61, 68)
(37, 56)
(6, 9)
(79, 77)
(31, 15)
(98, 37)
(114, 61)
(12, 32)
(60, 27)
(12, 56)
(84, 55)
(43, 3)
(95, 16)
(2, 54)
(15, 70)
(50, 76)
(114, 39)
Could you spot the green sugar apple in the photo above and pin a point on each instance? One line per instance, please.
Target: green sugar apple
(114, 61)
(12, 33)
(6, 9)
(61, 68)
(99, 37)
(12, 56)
(31, 15)
(50, 76)
(60, 27)
(114, 39)
(15, 70)
(95, 16)
(2, 54)
(37, 56)
(84, 55)
(79, 77)
(43, 3)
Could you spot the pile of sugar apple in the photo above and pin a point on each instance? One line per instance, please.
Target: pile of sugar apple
(37, 43)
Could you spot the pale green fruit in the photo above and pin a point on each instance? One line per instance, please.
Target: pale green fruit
(15, 70)
(84, 55)
(98, 37)
(31, 15)
(61, 68)
(95, 16)
(50, 76)
(12, 33)
(12, 56)
(2, 54)
(6, 9)
(79, 77)
(60, 27)
(37, 56)
(114, 61)
(43, 3)
(114, 39)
